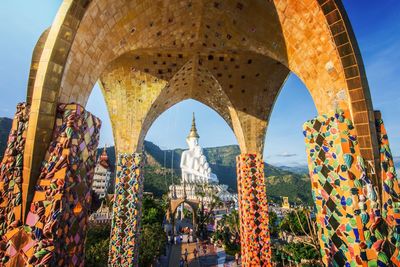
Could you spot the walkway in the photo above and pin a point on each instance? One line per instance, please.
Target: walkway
(214, 257)
(177, 254)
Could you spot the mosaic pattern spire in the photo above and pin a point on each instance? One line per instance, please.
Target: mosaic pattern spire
(253, 211)
(124, 243)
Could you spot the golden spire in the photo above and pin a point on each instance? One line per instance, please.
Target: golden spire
(193, 130)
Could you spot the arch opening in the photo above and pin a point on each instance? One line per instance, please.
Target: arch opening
(320, 48)
(85, 54)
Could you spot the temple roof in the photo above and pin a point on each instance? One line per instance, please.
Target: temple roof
(193, 130)
(103, 159)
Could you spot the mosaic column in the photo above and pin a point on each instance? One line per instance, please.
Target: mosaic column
(11, 175)
(348, 210)
(55, 229)
(125, 228)
(253, 211)
(390, 191)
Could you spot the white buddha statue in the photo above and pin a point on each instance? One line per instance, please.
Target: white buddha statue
(194, 165)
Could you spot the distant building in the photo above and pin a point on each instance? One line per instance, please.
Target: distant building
(102, 175)
(197, 176)
(102, 215)
(285, 203)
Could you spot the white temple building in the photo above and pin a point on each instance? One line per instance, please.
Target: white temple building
(197, 175)
(102, 175)
(102, 215)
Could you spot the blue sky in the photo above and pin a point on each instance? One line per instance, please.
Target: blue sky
(376, 25)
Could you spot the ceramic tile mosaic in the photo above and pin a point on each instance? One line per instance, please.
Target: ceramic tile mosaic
(253, 210)
(348, 214)
(11, 175)
(390, 190)
(124, 246)
(55, 229)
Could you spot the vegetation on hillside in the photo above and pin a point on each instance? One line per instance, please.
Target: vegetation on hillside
(152, 238)
(158, 182)
(222, 160)
(5, 127)
(97, 244)
(280, 181)
(295, 186)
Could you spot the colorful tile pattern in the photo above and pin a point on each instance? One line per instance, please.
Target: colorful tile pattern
(55, 229)
(125, 228)
(390, 191)
(348, 214)
(11, 175)
(253, 211)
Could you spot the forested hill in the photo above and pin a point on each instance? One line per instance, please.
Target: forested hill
(222, 160)
(281, 181)
(5, 127)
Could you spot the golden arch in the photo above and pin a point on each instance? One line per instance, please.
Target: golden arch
(244, 50)
(175, 203)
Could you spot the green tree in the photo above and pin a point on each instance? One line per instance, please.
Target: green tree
(273, 223)
(205, 215)
(300, 222)
(97, 244)
(227, 233)
(187, 213)
(152, 236)
(152, 243)
(301, 251)
(293, 222)
(152, 210)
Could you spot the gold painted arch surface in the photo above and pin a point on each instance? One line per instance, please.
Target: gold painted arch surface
(309, 37)
(137, 96)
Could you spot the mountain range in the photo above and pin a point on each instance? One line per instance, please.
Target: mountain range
(162, 169)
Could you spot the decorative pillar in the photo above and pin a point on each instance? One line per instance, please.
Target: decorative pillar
(125, 228)
(55, 229)
(390, 191)
(347, 204)
(253, 211)
(11, 172)
(11, 177)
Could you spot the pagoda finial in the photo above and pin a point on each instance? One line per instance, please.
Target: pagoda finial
(103, 159)
(193, 130)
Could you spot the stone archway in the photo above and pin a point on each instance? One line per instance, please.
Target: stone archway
(175, 203)
(234, 56)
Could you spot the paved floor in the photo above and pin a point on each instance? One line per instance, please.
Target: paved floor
(213, 257)
(178, 252)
